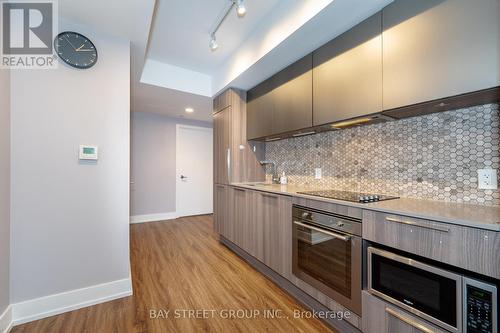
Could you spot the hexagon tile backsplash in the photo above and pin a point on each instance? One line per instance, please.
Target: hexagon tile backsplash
(432, 157)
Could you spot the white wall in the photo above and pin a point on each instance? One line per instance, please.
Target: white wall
(153, 162)
(70, 219)
(4, 189)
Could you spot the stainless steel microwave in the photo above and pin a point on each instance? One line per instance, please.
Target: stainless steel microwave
(452, 301)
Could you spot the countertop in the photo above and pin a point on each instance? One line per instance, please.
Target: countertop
(476, 216)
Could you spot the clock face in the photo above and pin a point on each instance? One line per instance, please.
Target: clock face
(75, 49)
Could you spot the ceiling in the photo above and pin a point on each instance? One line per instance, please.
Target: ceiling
(181, 31)
(172, 65)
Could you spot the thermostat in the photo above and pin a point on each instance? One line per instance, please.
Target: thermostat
(88, 153)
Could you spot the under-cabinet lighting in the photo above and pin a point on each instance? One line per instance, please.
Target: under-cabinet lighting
(351, 122)
(303, 134)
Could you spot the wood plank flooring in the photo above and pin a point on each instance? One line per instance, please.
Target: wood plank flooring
(180, 265)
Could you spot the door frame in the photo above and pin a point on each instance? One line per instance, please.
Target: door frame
(177, 128)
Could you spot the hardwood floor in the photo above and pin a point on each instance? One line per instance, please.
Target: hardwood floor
(180, 265)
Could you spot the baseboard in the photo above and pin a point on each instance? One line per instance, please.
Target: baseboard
(6, 320)
(152, 217)
(52, 305)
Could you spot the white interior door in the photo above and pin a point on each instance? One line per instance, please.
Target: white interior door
(194, 156)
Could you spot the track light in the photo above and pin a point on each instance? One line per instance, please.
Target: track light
(241, 10)
(213, 43)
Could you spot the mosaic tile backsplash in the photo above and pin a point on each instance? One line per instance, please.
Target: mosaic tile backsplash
(432, 157)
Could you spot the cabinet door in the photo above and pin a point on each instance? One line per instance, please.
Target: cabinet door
(347, 74)
(221, 210)
(439, 48)
(292, 97)
(260, 110)
(382, 317)
(222, 146)
(282, 103)
(240, 210)
(274, 212)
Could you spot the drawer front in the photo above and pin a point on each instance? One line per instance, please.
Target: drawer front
(468, 248)
(382, 317)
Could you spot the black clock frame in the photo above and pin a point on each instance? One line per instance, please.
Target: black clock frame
(69, 63)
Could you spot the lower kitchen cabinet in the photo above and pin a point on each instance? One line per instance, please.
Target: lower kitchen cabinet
(274, 212)
(383, 317)
(222, 208)
(247, 228)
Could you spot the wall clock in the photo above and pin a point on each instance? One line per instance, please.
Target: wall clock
(75, 49)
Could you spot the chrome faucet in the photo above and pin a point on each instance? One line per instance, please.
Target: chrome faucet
(276, 179)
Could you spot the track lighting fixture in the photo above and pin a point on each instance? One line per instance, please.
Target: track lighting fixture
(241, 10)
(213, 43)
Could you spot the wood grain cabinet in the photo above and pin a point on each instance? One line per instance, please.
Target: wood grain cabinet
(275, 214)
(235, 160)
(248, 229)
(472, 249)
(382, 317)
(347, 74)
(283, 103)
(439, 48)
(222, 211)
(222, 146)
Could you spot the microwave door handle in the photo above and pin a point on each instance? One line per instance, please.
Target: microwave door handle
(329, 233)
(409, 321)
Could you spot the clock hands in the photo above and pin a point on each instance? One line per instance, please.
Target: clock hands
(84, 50)
(74, 48)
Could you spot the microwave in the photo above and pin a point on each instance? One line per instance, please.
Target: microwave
(450, 300)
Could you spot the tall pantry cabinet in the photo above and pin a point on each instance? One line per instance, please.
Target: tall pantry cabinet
(235, 159)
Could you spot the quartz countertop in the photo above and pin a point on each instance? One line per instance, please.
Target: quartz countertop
(476, 216)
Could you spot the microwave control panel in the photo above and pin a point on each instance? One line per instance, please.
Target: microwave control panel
(480, 310)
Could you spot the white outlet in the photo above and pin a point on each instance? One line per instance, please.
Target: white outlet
(317, 173)
(487, 179)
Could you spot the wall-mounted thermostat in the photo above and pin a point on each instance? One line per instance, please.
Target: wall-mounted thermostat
(88, 153)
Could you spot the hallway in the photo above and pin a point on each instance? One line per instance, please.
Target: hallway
(179, 266)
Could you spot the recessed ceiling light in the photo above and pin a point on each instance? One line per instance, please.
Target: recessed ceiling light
(189, 110)
(241, 10)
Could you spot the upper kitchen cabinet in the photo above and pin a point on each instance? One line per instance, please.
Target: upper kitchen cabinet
(283, 103)
(293, 97)
(347, 74)
(439, 48)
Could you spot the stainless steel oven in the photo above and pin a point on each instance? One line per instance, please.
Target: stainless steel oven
(327, 254)
(448, 299)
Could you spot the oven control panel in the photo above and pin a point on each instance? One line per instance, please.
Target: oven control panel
(481, 310)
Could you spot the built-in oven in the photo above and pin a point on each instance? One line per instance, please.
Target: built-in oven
(451, 300)
(327, 250)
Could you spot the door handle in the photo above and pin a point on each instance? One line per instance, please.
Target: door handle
(183, 177)
(329, 233)
(409, 321)
(228, 160)
(413, 224)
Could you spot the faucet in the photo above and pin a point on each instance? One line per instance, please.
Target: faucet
(276, 179)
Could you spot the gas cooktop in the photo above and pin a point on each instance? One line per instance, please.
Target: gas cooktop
(349, 196)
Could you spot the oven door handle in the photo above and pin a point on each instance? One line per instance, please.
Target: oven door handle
(329, 233)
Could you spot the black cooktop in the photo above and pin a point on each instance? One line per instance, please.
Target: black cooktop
(349, 196)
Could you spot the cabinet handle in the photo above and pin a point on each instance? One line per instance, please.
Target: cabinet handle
(239, 189)
(409, 321)
(228, 156)
(435, 228)
(329, 233)
(269, 195)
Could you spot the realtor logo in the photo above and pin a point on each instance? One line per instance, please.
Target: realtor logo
(28, 31)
